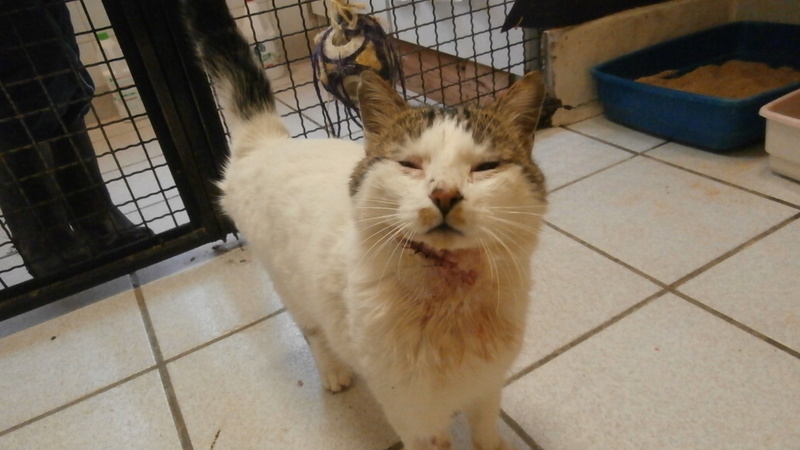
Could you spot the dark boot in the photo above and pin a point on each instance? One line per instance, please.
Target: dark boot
(77, 172)
(34, 212)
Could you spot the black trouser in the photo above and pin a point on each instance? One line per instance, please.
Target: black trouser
(52, 195)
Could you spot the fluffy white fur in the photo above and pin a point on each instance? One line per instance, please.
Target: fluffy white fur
(406, 261)
(337, 263)
(430, 338)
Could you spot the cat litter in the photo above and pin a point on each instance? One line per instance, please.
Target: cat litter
(712, 123)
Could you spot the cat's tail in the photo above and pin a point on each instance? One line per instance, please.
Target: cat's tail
(244, 88)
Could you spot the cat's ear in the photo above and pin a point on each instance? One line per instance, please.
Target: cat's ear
(380, 104)
(522, 103)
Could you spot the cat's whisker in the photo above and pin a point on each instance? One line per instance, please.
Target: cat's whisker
(509, 236)
(524, 213)
(409, 236)
(510, 253)
(391, 229)
(384, 240)
(376, 208)
(517, 207)
(396, 247)
(381, 200)
(493, 275)
(381, 242)
(385, 221)
(374, 218)
(520, 226)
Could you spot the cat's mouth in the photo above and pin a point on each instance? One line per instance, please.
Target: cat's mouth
(444, 228)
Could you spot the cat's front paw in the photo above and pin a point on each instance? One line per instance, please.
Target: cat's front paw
(337, 379)
(501, 445)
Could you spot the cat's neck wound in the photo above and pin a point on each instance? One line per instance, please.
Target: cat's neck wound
(446, 259)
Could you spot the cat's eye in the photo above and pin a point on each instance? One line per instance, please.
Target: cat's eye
(409, 165)
(483, 167)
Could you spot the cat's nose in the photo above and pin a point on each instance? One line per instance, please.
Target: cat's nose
(446, 199)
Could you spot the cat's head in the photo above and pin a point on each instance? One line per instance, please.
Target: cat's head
(449, 178)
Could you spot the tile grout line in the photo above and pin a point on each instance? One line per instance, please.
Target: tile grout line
(78, 400)
(673, 288)
(666, 289)
(224, 336)
(520, 431)
(721, 181)
(608, 256)
(161, 366)
(645, 154)
(584, 337)
(753, 332)
(732, 252)
(615, 145)
(589, 175)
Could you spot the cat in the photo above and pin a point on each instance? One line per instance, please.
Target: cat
(405, 260)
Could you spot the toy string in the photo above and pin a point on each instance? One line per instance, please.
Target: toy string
(347, 11)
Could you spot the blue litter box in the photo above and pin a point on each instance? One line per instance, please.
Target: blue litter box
(711, 123)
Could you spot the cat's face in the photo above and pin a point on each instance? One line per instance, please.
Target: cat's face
(449, 178)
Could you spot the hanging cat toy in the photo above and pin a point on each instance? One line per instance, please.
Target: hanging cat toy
(352, 44)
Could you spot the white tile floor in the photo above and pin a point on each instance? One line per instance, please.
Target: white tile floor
(666, 314)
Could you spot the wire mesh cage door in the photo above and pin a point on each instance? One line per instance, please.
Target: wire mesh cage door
(109, 146)
(154, 130)
(451, 52)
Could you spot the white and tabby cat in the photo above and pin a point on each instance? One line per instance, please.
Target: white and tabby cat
(405, 260)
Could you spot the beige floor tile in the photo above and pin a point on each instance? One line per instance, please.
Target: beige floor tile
(601, 128)
(146, 181)
(461, 440)
(748, 168)
(61, 360)
(565, 156)
(306, 101)
(575, 291)
(188, 260)
(301, 73)
(140, 185)
(659, 219)
(13, 268)
(65, 306)
(110, 163)
(195, 306)
(299, 125)
(669, 376)
(162, 216)
(259, 389)
(133, 415)
(759, 287)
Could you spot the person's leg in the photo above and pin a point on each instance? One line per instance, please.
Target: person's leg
(34, 213)
(35, 91)
(80, 180)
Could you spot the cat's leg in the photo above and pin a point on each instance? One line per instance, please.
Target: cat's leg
(421, 438)
(482, 417)
(334, 374)
(419, 420)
